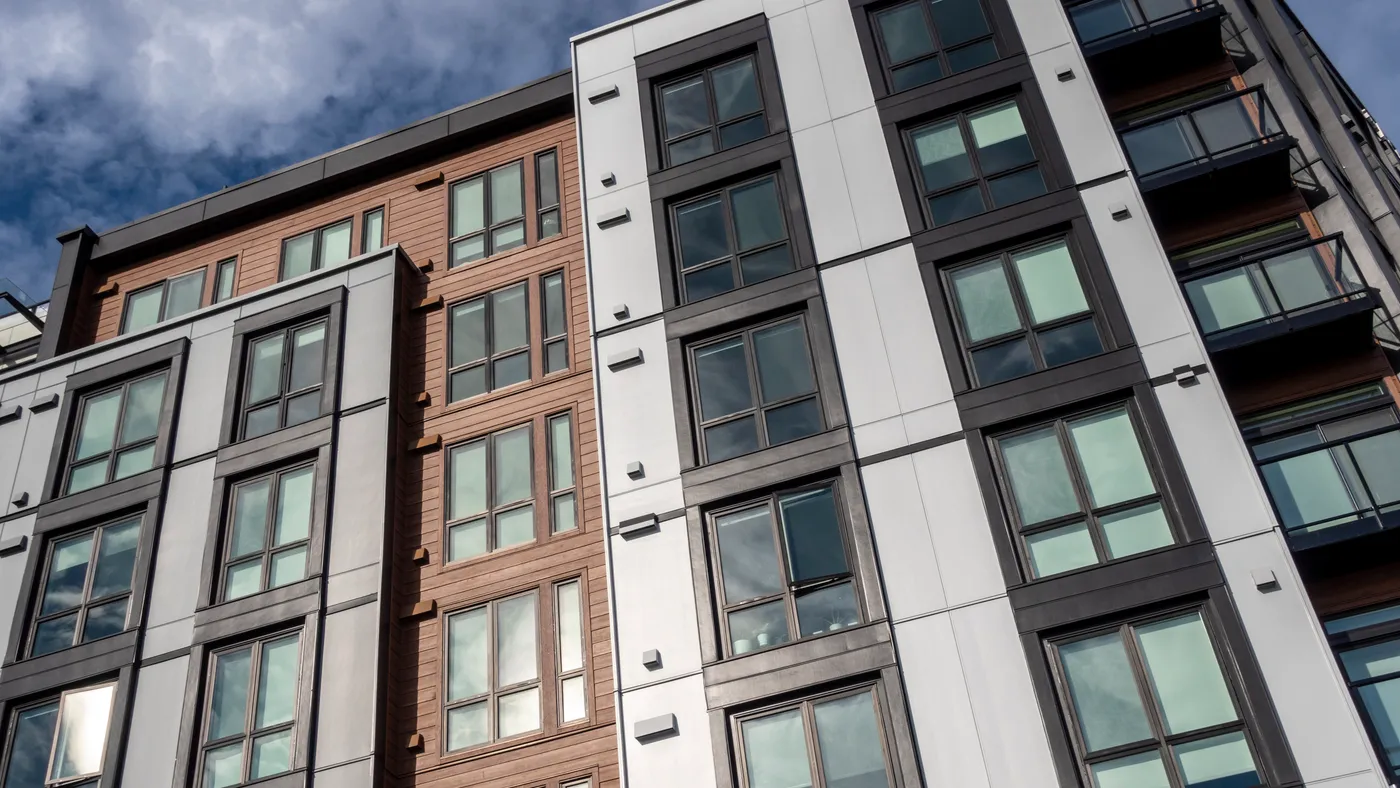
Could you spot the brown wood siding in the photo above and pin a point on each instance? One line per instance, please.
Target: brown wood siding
(1175, 85)
(1355, 590)
(1193, 229)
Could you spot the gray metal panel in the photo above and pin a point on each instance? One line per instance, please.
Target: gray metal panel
(155, 732)
(347, 695)
(361, 467)
(369, 336)
(34, 463)
(203, 395)
(357, 774)
(184, 526)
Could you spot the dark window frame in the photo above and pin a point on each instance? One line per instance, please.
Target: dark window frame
(84, 606)
(488, 362)
(317, 248)
(939, 53)
(80, 410)
(383, 212)
(527, 191)
(556, 492)
(117, 721)
(715, 128)
(1355, 639)
(493, 510)
(249, 735)
(230, 264)
(164, 287)
(274, 477)
(548, 340)
(733, 260)
(285, 393)
(557, 207)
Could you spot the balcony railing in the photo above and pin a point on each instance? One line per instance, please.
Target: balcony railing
(1098, 21)
(1203, 132)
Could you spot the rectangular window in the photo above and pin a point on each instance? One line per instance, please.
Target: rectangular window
(224, 275)
(1097, 20)
(1022, 311)
(784, 571)
(314, 250)
(488, 214)
(563, 504)
(716, 109)
(547, 194)
(283, 376)
(568, 611)
(372, 231)
(731, 238)
(1150, 705)
(268, 531)
(556, 322)
(175, 296)
(86, 587)
(491, 494)
(60, 741)
(116, 433)
(489, 343)
(250, 716)
(926, 40)
(755, 389)
(493, 672)
(1368, 647)
(975, 161)
(1080, 491)
(832, 741)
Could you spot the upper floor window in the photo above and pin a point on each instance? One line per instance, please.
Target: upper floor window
(489, 344)
(488, 214)
(831, 741)
(250, 715)
(555, 296)
(1368, 646)
(225, 274)
(926, 40)
(547, 194)
(316, 249)
(171, 298)
(116, 434)
(1080, 491)
(86, 587)
(1022, 311)
(283, 378)
(1099, 19)
(372, 231)
(1150, 704)
(974, 162)
(563, 505)
(268, 531)
(733, 237)
(716, 109)
(60, 741)
(491, 498)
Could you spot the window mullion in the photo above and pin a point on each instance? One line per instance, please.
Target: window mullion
(117, 432)
(250, 718)
(1128, 633)
(780, 544)
(755, 391)
(489, 334)
(814, 759)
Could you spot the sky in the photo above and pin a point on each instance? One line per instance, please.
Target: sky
(114, 109)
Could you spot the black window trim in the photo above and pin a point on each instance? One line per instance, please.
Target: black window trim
(725, 193)
(87, 603)
(285, 393)
(80, 410)
(558, 205)
(229, 263)
(274, 478)
(488, 362)
(488, 226)
(317, 263)
(940, 52)
(164, 286)
(383, 212)
(118, 723)
(716, 126)
(1354, 639)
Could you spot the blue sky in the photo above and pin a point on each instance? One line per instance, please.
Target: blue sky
(113, 110)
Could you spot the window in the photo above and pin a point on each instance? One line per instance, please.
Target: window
(1100, 19)
(998, 168)
(268, 531)
(925, 40)
(1022, 311)
(547, 194)
(731, 238)
(1080, 491)
(556, 322)
(784, 571)
(315, 250)
(1368, 647)
(716, 109)
(1151, 706)
(250, 719)
(60, 741)
(116, 435)
(160, 302)
(489, 343)
(833, 741)
(563, 505)
(224, 275)
(488, 214)
(755, 389)
(86, 587)
(283, 378)
(372, 231)
(491, 497)
(573, 697)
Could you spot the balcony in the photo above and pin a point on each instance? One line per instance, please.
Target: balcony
(21, 323)
(1134, 42)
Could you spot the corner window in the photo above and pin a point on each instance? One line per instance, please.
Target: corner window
(488, 214)
(60, 741)
(224, 275)
(755, 389)
(86, 586)
(1080, 491)
(283, 378)
(556, 322)
(491, 494)
(974, 162)
(317, 249)
(926, 40)
(717, 109)
(784, 571)
(268, 531)
(831, 741)
(489, 343)
(372, 231)
(1150, 704)
(176, 296)
(547, 194)
(1368, 647)
(563, 502)
(116, 433)
(250, 712)
(1022, 311)
(733, 237)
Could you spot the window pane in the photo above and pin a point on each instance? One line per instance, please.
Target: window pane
(272, 754)
(467, 726)
(303, 407)
(1362, 620)
(701, 229)
(790, 422)
(742, 131)
(184, 294)
(296, 255)
(942, 155)
(1219, 761)
(30, 745)
(565, 514)
(722, 376)
(730, 439)
(466, 540)
(959, 20)
(1070, 343)
(277, 683)
(134, 461)
(55, 634)
(1003, 362)
(904, 32)
(1061, 549)
(1136, 530)
(685, 107)
(223, 766)
(1102, 18)
(68, 571)
(82, 733)
(1143, 770)
(547, 184)
(265, 377)
(467, 250)
(827, 610)
(99, 425)
(561, 453)
(243, 579)
(575, 704)
(294, 499)
(507, 193)
(466, 657)
(760, 266)
(758, 627)
(468, 332)
(509, 319)
(556, 356)
(985, 305)
(1382, 705)
(224, 280)
(514, 527)
(1108, 451)
(736, 89)
(549, 224)
(1376, 456)
(1040, 480)
(512, 465)
(748, 557)
(308, 356)
(1162, 146)
(468, 207)
(374, 231)
(1308, 489)
(813, 534)
(570, 615)
(1016, 187)
(105, 620)
(554, 306)
(956, 205)
(758, 219)
(1370, 662)
(705, 282)
(919, 73)
(1104, 692)
(467, 467)
(972, 56)
(507, 237)
(691, 148)
(775, 750)
(784, 369)
(141, 419)
(1000, 137)
(288, 567)
(116, 557)
(85, 477)
(262, 420)
(519, 713)
(848, 736)
(517, 655)
(249, 517)
(1185, 675)
(1050, 282)
(510, 370)
(228, 704)
(335, 244)
(143, 309)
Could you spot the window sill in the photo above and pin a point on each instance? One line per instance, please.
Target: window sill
(484, 558)
(668, 182)
(508, 391)
(71, 665)
(500, 257)
(96, 502)
(517, 742)
(766, 467)
(1048, 389)
(789, 290)
(932, 97)
(857, 650)
(265, 608)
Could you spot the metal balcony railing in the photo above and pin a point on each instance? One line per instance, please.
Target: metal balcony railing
(1097, 21)
(1202, 132)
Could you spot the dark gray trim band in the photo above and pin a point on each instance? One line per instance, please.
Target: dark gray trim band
(871, 252)
(351, 604)
(1184, 374)
(913, 448)
(147, 662)
(364, 407)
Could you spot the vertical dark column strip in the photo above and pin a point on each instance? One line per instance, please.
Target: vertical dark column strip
(67, 291)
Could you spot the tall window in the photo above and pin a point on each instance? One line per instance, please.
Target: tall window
(250, 719)
(569, 644)
(784, 570)
(60, 741)
(372, 231)
(547, 194)
(755, 389)
(1150, 706)
(833, 741)
(87, 587)
(1080, 491)
(974, 162)
(488, 214)
(283, 377)
(491, 498)
(269, 531)
(731, 238)
(1022, 311)
(556, 322)
(224, 275)
(1368, 646)
(716, 109)
(317, 249)
(490, 343)
(160, 302)
(925, 40)
(563, 503)
(116, 433)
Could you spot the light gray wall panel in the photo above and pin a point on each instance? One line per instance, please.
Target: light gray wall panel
(12, 572)
(202, 395)
(667, 496)
(839, 56)
(654, 601)
(359, 774)
(944, 728)
(163, 639)
(804, 94)
(369, 338)
(908, 566)
(38, 442)
(353, 584)
(19, 385)
(682, 22)
(142, 340)
(184, 526)
(828, 201)
(957, 519)
(361, 480)
(622, 267)
(866, 374)
(1081, 123)
(319, 283)
(155, 729)
(639, 424)
(1042, 25)
(347, 695)
(12, 435)
(681, 761)
(612, 132)
(911, 341)
(865, 159)
(603, 54)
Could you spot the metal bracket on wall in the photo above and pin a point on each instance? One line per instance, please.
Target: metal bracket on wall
(627, 358)
(609, 92)
(614, 218)
(1185, 376)
(608, 179)
(636, 526)
(655, 727)
(14, 545)
(635, 470)
(10, 414)
(651, 659)
(43, 403)
(21, 501)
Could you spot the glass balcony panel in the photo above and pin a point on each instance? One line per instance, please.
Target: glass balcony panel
(1379, 460)
(1228, 299)
(1299, 279)
(1230, 125)
(1356, 425)
(1163, 146)
(1103, 18)
(1156, 10)
(1309, 489)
